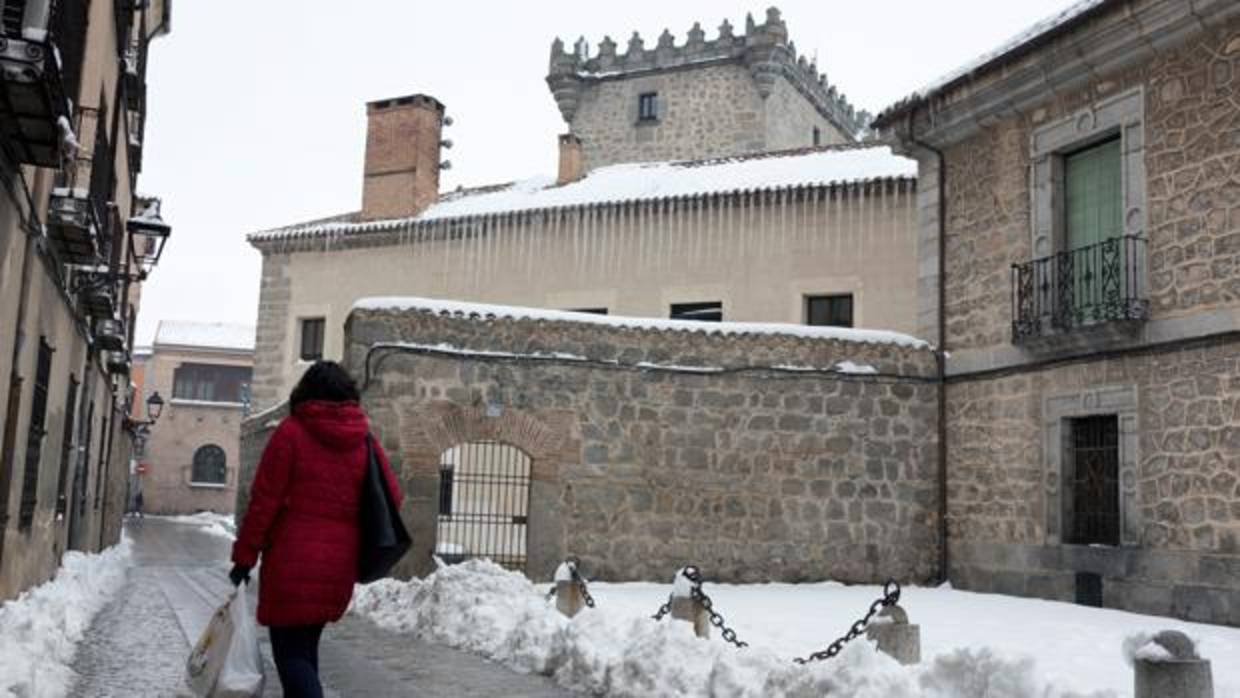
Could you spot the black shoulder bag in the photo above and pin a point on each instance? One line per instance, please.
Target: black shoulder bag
(384, 539)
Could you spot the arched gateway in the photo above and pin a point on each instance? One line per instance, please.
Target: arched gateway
(483, 503)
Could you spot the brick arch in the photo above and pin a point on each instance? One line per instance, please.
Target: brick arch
(428, 429)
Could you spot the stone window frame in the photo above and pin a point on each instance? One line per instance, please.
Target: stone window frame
(1122, 114)
(1057, 412)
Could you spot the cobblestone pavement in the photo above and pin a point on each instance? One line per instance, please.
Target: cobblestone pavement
(138, 644)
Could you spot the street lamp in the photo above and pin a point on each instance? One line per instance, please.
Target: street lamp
(148, 233)
(154, 407)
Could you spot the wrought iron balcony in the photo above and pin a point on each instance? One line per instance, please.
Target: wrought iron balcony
(73, 226)
(34, 108)
(96, 292)
(110, 334)
(118, 362)
(1102, 285)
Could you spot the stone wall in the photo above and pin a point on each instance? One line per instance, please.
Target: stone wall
(1180, 481)
(737, 93)
(183, 428)
(1171, 385)
(1192, 163)
(703, 112)
(752, 472)
(274, 333)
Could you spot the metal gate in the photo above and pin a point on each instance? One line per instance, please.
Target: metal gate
(1095, 482)
(484, 496)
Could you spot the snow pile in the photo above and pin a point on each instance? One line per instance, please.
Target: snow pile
(40, 630)
(609, 651)
(222, 525)
(1166, 646)
(485, 311)
(207, 335)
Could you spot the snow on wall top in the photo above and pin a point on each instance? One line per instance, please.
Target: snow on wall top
(205, 335)
(1056, 21)
(485, 311)
(638, 181)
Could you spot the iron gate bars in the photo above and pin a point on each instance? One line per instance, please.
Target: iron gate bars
(484, 492)
(1095, 480)
(1094, 284)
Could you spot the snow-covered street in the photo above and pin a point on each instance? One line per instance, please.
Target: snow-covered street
(138, 643)
(973, 645)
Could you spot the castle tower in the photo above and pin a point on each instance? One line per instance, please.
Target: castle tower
(731, 95)
(403, 141)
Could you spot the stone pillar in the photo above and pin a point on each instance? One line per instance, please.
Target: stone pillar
(1168, 665)
(894, 635)
(687, 608)
(568, 597)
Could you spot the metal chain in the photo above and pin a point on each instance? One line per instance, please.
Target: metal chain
(695, 576)
(890, 597)
(581, 583)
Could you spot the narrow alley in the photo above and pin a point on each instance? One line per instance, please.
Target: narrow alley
(137, 645)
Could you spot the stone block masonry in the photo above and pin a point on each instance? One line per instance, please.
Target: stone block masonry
(656, 448)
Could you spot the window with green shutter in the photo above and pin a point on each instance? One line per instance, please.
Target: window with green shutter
(1093, 194)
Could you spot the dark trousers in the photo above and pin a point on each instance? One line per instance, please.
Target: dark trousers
(296, 651)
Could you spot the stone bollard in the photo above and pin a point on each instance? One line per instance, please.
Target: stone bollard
(685, 607)
(895, 636)
(568, 597)
(1168, 665)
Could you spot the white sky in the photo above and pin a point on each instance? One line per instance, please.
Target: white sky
(257, 108)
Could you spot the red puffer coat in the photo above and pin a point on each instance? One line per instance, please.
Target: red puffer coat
(303, 514)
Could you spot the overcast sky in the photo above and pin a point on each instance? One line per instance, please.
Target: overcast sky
(257, 107)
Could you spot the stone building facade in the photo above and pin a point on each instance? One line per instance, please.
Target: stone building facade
(754, 451)
(73, 252)
(751, 219)
(192, 454)
(1093, 407)
(735, 94)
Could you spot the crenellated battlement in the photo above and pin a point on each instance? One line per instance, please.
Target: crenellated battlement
(764, 49)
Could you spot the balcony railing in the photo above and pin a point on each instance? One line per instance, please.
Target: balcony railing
(34, 108)
(73, 227)
(1087, 287)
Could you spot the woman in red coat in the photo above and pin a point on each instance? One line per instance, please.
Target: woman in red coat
(303, 520)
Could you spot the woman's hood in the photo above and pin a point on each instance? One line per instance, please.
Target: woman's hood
(338, 425)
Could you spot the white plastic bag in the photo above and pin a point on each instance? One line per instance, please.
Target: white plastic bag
(226, 661)
(242, 675)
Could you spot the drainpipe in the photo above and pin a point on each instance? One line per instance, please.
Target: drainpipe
(941, 354)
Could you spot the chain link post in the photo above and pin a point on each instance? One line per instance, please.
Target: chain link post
(895, 637)
(1173, 669)
(571, 594)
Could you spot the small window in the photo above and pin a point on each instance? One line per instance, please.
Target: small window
(34, 437)
(312, 338)
(817, 136)
(829, 311)
(210, 383)
(446, 473)
(590, 311)
(702, 312)
(648, 106)
(210, 466)
(1094, 517)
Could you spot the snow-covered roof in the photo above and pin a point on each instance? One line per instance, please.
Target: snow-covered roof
(485, 311)
(1059, 21)
(205, 335)
(638, 182)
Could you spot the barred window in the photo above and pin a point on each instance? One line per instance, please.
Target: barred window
(210, 466)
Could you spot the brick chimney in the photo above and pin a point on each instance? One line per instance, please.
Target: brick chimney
(403, 139)
(572, 159)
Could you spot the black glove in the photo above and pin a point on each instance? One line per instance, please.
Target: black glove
(239, 574)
